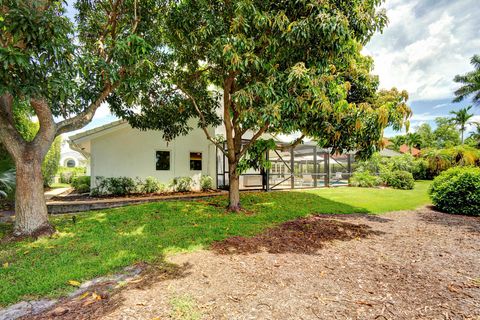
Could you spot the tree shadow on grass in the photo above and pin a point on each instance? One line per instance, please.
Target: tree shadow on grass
(433, 215)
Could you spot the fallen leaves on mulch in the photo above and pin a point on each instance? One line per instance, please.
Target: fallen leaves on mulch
(298, 236)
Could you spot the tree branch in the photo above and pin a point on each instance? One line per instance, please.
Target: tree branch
(47, 130)
(9, 135)
(203, 122)
(252, 141)
(6, 103)
(227, 87)
(83, 118)
(295, 143)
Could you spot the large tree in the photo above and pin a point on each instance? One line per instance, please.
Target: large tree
(470, 83)
(446, 135)
(427, 138)
(62, 72)
(268, 67)
(460, 119)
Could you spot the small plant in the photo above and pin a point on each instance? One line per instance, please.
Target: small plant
(457, 191)
(181, 184)
(399, 180)
(118, 186)
(150, 185)
(364, 179)
(7, 182)
(206, 183)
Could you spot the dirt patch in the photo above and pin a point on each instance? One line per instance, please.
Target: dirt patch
(402, 265)
(299, 236)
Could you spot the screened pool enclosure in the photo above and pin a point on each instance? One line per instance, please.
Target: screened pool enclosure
(302, 166)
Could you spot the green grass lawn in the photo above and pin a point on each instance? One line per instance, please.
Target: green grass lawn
(60, 185)
(103, 242)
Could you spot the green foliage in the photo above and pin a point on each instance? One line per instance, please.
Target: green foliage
(7, 183)
(51, 162)
(457, 191)
(206, 183)
(446, 135)
(474, 139)
(377, 164)
(442, 159)
(461, 119)
(365, 179)
(399, 179)
(427, 137)
(150, 185)
(282, 66)
(68, 174)
(116, 186)
(256, 156)
(91, 247)
(470, 83)
(181, 184)
(81, 184)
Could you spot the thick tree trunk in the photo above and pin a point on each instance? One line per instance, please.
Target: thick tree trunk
(234, 188)
(31, 215)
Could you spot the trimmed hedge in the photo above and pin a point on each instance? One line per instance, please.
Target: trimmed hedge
(457, 191)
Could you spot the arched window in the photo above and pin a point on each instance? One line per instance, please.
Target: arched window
(71, 163)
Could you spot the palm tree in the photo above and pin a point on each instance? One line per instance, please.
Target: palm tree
(461, 118)
(413, 140)
(470, 83)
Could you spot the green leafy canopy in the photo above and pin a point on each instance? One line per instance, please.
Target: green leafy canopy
(274, 66)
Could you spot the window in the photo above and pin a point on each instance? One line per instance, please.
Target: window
(163, 160)
(195, 161)
(71, 163)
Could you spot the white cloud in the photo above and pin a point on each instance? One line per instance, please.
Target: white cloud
(425, 45)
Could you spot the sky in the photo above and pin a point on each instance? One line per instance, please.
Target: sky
(426, 43)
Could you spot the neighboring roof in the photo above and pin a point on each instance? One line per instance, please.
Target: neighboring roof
(389, 153)
(85, 134)
(406, 149)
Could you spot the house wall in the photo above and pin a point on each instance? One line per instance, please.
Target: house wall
(132, 153)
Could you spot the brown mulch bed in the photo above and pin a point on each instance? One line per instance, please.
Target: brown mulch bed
(402, 265)
(298, 236)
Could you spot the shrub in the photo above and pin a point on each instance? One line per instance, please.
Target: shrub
(457, 191)
(399, 180)
(68, 174)
(420, 170)
(206, 183)
(51, 162)
(81, 184)
(364, 179)
(150, 185)
(83, 188)
(181, 184)
(120, 186)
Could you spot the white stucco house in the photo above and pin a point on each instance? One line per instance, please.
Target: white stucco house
(118, 150)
